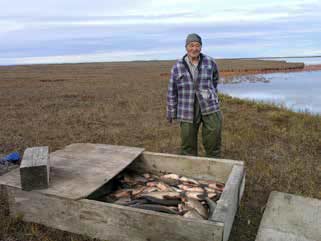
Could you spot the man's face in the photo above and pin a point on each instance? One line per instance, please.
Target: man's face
(193, 49)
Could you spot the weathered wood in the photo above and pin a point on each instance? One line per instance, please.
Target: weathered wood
(80, 169)
(35, 168)
(197, 167)
(108, 221)
(228, 203)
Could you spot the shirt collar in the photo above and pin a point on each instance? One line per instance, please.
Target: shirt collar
(187, 59)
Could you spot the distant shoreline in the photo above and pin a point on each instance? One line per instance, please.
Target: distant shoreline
(307, 68)
(227, 67)
(281, 57)
(276, 58)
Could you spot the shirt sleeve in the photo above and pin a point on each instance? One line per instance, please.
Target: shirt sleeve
(172, 94)
(216, 75)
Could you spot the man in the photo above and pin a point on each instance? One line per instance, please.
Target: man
(192, 99)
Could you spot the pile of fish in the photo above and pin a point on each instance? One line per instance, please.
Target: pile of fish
(169, 193)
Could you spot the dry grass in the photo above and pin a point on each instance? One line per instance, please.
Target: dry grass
(124, 103)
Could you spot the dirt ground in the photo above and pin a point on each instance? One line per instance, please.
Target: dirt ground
(125, 104)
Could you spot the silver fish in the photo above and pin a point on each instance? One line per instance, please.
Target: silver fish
(165, 202)
(195, 195)
(193, 214)
(176, 189)
(123, 201)
(189, 180)
(138, 190)
(169, 181)
(158, 208)
(212, 205)
(163, 195)
(192, 203)
(122, 193)
(216, 186)
(162, 186)
(207, 189)
(171, 176)
(190, 189)
(151, 184)
(211, 195)
(147, 175)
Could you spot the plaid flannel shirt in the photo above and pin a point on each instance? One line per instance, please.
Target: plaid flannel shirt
(182, 89)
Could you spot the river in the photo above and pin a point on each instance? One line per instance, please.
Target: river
(298, 91)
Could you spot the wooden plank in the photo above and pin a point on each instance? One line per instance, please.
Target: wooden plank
(197, 167)
(228, 203)
(35, 168)
(109, 221)
(80, 169)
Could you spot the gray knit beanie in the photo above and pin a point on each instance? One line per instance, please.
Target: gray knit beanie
(193, 37)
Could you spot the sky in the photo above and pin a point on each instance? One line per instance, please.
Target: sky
(73, 31)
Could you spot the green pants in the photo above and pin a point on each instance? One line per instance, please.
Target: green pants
(211, 133)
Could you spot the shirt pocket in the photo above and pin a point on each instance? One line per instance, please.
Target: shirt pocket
(183, 82)
(207, 72)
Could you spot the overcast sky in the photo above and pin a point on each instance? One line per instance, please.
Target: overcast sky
(60, 31)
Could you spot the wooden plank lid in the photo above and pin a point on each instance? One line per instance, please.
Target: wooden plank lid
(80, 169)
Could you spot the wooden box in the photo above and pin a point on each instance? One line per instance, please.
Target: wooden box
(79, 171)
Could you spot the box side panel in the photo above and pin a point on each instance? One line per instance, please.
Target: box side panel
(107, 221)
(198, 167)
(228, 203)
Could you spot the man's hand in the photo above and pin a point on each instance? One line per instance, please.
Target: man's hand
(170, 120)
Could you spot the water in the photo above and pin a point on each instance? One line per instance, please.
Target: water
(306, 61)
(298, 91)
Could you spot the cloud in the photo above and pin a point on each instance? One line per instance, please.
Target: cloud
(95, 57)
(79, 29)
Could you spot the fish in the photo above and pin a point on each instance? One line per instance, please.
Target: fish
(158, 208)
(138, 190)
(192, 203)
(140, 179)
(206, 181)
(181, 207)
(169, 181)
(216, 197)
(175, 189)
(193, 214)
(195, 195)
(163, 195)
(165, 202)
(151, 184)
(136, 202)
(147, 175)
(162, 186)
(190, 189)
(150, 189)
(211, 195)
(128, 179)
(212, 205)
(123, 201)
(122, 193)
(171, 176)
(189, 180)
(216, 186)
(211, 190)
